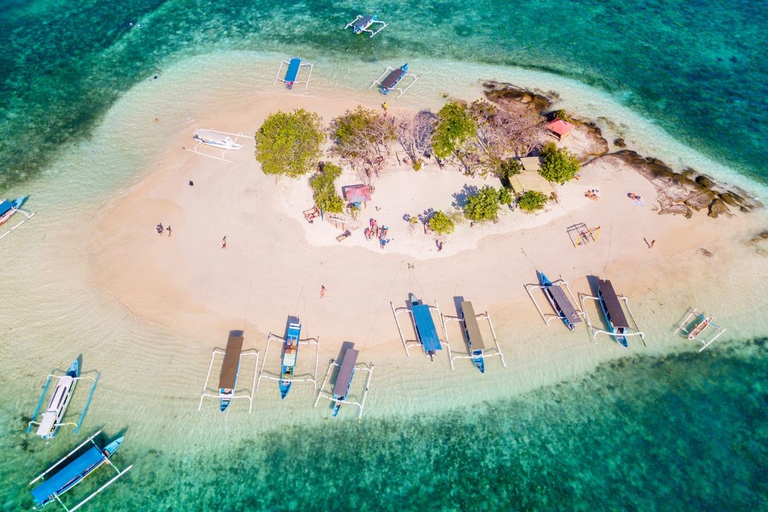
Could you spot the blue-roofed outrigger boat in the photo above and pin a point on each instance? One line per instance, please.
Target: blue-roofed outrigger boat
(290, 353)
(53, 415)
(8, 208)
(74, 471)
(423, 326)
(292, 73)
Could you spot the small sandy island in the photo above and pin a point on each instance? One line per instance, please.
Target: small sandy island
(275, 261)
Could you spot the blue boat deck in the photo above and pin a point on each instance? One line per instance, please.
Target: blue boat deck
(293, 70)
(68, 475)
(425, 328)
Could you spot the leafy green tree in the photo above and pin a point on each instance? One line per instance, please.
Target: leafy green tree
(453, 129)
(324, 189)
(532, 200)
(289, 143)
(558, 165)
(505, 196)
(441, 223)
(483, 206)
(508, 168)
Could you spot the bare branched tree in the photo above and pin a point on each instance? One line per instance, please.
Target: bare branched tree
(414, 132)
(363, 137)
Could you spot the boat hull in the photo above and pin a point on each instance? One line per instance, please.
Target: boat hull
(57, 406)
(225, 400)
(15, 206)
(621, 340)
(547, 284)
(478, 360)
(336, 405)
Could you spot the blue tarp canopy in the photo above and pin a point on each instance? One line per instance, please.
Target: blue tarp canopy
(425, 328)
(72, 471)
(293, 70)
(5, 207)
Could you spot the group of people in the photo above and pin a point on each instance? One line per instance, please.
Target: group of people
(637, 199)
(160, 229)
(593, 194)
(380, 233)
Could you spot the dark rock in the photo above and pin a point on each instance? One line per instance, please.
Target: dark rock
(701, 200)
(705, 182)
(688, 172)
(732, 199)
(763, 235)
(717, 208)
(677, 209)
(744, 209)
(619, 143)
(501, 91)
(705, 252)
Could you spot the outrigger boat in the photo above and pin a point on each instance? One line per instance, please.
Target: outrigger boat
(293, 68)
(290, 352)
(472, 334)
(559, 302)
(216, 139)
(706, 331)
(53, 415)
(230, 369)
(477, 348)
(393, 78)
(9, 208)
(614, 314)
(74, 471)
(344, 379)
(424, 326)
(364, 23)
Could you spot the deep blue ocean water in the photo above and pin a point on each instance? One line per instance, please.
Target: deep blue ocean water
(696, 68)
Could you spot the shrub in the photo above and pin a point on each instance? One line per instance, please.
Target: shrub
(441, 223)
(531, 201)
(324, 190)
(564, 116)
(483, 206)
(454, 127)
(289, 143)
(558, 165)
(505, 196)
(509, 168)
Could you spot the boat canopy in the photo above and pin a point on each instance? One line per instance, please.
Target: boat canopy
(561, 299)
(293, 70)
(393, 78)
(231, 362)
(66, 475)
(6, 206)
(425, 328)
(209, 135)
(344, 379)
(612, 305)
(475, 339)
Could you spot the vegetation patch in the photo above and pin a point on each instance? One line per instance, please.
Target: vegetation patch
(558, 165)
(324, 189)
(289, 143)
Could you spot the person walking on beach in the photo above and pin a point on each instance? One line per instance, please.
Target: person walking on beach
(385, 107)
(160, 229)
(652, 243)
(169, 230)
(322, 291)
(191, 183)
(224, 242)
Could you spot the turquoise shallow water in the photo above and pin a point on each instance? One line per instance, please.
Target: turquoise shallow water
(695, 68)
(683, 432)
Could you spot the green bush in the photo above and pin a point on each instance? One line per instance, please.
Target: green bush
(564, 116)
(505, 196)
(509, 168)
(289, 143)
(454, 127)
(441, 223)
(483, 206)
(324, 189)
(531, 201)
(558, 165)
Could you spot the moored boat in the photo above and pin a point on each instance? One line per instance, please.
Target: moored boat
(215, 139)
(57, 406)
(559, 301)
(614, 314)
(290, 353)
(344, 379)
(8, 208)
(230, 369)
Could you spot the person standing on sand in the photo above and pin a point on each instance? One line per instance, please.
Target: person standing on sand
(224, 242)
(322, 291)
(385, 107)
(652, 242)
(169, 230)
(160, 228)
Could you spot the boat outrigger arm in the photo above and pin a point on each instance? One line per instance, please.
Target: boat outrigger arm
(701, 326)
(219, 395)
(308, 378)
(447, 318)
(216, 139)
(364, 23)
(548, 317)
(97, 491)
(27, 215)
(379, 81)
(51, 376)
(407, 343)
(359, 367)
(594, 331)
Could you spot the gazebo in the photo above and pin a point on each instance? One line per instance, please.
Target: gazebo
(559, 128)
(357, 194)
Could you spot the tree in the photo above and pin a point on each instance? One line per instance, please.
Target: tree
(558, 165)
(289, 143)
(505, 196)
(414, 133)
(363, 136)
(531, 201)
(508, 168)
(324, 189)
(453, 129)
(483, 206)
(441, 223)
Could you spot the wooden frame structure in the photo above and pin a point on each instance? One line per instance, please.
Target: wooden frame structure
(472, 332)
(702, 324)
(359, 367)
(266, 375)
(594, 331)
(221, 396)
(225, 150)
(294, 68)
(548, 317)
(408, 343)
(580, 234)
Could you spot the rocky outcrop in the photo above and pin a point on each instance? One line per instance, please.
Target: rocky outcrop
(506, 93)
(682, 193)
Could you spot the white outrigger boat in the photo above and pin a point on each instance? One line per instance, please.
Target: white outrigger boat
(53, 416)
(75, 471)
(225, 141)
